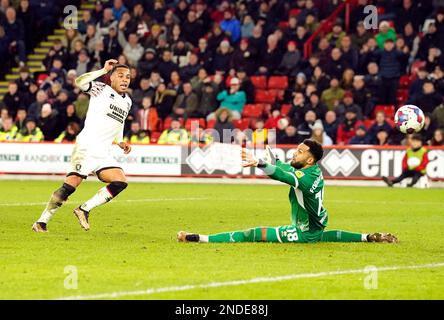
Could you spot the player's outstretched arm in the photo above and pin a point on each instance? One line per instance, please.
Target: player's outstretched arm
(270, 170)
(84, 80)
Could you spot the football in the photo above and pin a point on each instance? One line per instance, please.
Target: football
(409, 119)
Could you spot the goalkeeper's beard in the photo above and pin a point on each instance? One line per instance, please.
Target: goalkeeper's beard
(296, 164)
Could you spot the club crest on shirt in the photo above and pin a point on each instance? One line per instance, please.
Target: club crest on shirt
(299, 174)
(111, 96)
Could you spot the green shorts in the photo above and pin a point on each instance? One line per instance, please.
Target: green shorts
(292, 233)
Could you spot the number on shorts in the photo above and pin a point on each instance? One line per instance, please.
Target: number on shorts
(78, 167)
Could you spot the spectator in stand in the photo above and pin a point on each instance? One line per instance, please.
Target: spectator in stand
(147, 116)
(438, 116)
(144, 90)
(382, 137)
(68, 116)
(8, 130)
(347, 79)
(15, 31)
(319, 135)
(106, 22)
(137, 135)
(373, 82)
(47, 122)
(30, 133)
(297, 111)
(231, 26)
(70, 133)
(336, 35)
(232, 99)
(288, 136)
(336, 64)
(368, 54)
(272, 121)
(4, 114)
(290, 61)
(118, 9)
(385, 33)
(20, 118)
(26, 13)
(428, 99)
(349, 54)
(416, 86)
(320, 79)
(85, 21)
(430, 39)
(247, 27)
(224, 125)
(13, 98)
(187, 103)
(390, 66)
(361, 136)
(331, 96)
(260, 133)
(361, 36)
(191, 69)
(166, 66)
(24, 81)
(438, 138)
(200, 136)
(246, 85)
(305, 128)
(380, 123)
(347, 129)
(244, 57)
(174, 135)
(434, 59)
(348, 103)
(414, 163)
(270, 57)
(132, 49)
(314, 104)
(207, 92)
(222, 57)
(362, 96)
(163, 100)
(35, 108)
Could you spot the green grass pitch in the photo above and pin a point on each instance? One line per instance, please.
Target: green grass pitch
(132, 246)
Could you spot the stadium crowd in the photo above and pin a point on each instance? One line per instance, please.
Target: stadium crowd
(235, 64)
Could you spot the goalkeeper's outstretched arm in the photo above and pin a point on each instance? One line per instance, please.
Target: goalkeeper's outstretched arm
(275, 172)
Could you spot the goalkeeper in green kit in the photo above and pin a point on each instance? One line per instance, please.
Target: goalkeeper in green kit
(308, 215)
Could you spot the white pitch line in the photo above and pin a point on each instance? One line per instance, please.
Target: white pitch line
(151, 291)
(25, 204)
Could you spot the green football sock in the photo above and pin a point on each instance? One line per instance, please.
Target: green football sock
(250, 235)
(342, 236)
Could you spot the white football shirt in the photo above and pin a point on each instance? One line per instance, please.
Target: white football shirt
(105, 119)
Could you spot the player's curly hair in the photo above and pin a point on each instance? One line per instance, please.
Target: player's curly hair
(315, 149)
(118, 65)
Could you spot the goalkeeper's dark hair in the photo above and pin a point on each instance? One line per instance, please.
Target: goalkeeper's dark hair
(119, 65)
(315, 148)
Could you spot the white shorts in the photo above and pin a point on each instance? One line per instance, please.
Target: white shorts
(83, 163)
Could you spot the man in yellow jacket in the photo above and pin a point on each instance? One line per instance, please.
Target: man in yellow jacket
(8, 130)
(136, 135)
(30, 133)
(175, 135)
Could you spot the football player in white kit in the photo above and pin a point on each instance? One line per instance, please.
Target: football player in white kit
(104, 123)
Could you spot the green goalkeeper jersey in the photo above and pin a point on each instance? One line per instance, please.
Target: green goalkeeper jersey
(306, 194)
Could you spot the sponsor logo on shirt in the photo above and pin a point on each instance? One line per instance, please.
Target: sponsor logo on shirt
(299, 174)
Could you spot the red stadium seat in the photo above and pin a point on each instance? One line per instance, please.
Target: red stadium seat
(368, 123)
(401, 96)
(278, 82)
(264, 96)
(167, 122)
(41, 78)
(277, 93)
(294, 12)
(415, 66)
(155, 136)
(253, 110)
(211, 123)
(285, 108)
(389, 110)
(259, 82)
(241, 124)
(404, 82)
(200, 120)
